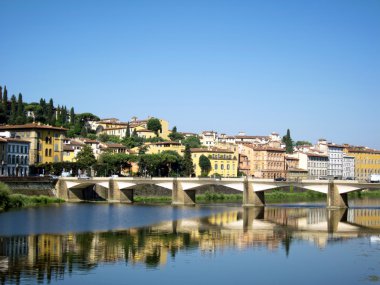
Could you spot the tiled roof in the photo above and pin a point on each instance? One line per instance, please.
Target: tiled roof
(31, 126)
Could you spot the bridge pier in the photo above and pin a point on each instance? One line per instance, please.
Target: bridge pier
(252, 198)
(181, 197)
(251, 214)
(61, 190)
(334, 217)
(334, 198)
(114, 193)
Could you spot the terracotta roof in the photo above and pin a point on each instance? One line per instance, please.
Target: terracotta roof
(363, 150)
(211, 150)
(165, 143)
(2, 139)
(335, 145)
(251, 137)
(67, 147)
(114, 128)
(144, 131)
(76, 143)
(89, 141)
(316, 155)
(115, 145)
(31, 126)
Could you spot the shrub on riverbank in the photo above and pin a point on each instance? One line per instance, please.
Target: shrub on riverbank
(5, 193)
(8, 200)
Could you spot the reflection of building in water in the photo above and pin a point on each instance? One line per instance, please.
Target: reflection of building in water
(45, 257)
(14, 246)
(365, 217)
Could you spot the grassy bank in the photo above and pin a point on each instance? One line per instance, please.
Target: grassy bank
(9, 201)
(270, 197)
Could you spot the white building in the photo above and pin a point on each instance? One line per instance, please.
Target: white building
(208, 138)
(335, 154)
(348, 167)
(315, 163)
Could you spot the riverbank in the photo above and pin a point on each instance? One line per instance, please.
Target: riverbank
(275, 196)
(10, 201)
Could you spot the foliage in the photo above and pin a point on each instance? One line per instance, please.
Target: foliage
(205, 165)
(55, 168)
(192, 142)
(287, 140)
(19, 200)
(300, 143)
(4, 196)
(112, 163)
(188, 168)
(154, 125)
(85, 158)
(175, 136)
(154, 140)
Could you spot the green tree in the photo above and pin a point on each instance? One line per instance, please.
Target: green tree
(86, 158)
(205, 165)
(5, 103)
(128, 131)
(50, 118)
(175, 136)
(1, 94)
(13, 113)
(287, 140)
(192, 142)
(21, 117)
(154, 125)
(72, 116)
(299, 143)
(187, 163)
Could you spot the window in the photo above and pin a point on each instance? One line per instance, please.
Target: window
(216, 166)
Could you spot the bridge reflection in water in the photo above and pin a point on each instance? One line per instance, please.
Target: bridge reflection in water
(46, 257)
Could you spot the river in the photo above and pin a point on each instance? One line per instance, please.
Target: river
(93, 243)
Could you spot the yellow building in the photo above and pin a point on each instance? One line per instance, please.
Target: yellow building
(367, 161)
(114, 127)
(223, 162)
(71, 148)
(159, 147)
(46, 142)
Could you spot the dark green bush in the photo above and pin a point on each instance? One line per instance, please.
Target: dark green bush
(4, 196)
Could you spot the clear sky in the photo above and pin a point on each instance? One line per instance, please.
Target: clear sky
(229, 66)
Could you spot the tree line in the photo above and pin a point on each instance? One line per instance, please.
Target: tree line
(15, 111)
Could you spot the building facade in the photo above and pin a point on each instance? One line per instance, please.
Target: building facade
(367, 161)
(46, 142)
(348, 167)
(14, 154)
(223, 162)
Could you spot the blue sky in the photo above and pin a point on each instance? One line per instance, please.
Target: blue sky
(229, 66)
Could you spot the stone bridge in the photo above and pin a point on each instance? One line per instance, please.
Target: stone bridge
(184, 189)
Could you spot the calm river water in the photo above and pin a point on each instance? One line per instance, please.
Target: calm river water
(206, 244)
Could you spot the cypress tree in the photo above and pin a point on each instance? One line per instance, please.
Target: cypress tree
(64, 116)
(5, 103)
(287, 140)
(72, 116)
(5, 96)
(128, 131)
(1, 93)
(13, 113)
(3, 116)
(50, 112)
(59, 116)
(187, 162)
(20, 117)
